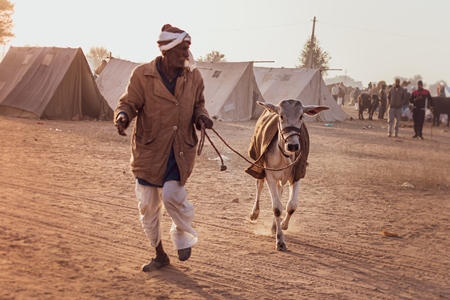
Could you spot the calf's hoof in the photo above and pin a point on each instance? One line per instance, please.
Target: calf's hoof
(281, 246)
(254, 216)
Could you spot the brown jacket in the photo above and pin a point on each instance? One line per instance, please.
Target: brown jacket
(397, 97)
(162, 121)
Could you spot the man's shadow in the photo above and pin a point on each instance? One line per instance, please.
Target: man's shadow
(178, 278)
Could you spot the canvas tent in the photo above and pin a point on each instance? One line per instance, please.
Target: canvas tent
(49, 83)
(231, 91)
(114, 78)
(306, 85)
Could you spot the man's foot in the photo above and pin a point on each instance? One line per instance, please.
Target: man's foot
(389, 134)
(420, 137)
(184, 254)
(396, 135)
(414, 136)
(155, 265)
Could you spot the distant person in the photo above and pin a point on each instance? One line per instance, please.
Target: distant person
(421, 99)
(354, 96)
(407, 113)
(166, 98)
(341, 94)
(396, 99)
(335, 91)
(406, 85)
(382, 95)
(375, 100)
(441, 90)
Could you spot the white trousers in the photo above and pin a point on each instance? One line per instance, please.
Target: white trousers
(173, 197)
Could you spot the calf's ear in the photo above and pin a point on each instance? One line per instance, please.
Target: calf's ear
(312, 110)
(269, 106)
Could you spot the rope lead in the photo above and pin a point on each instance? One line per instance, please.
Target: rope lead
(223, 167)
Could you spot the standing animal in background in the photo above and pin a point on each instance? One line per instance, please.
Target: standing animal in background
(364, 102)
(440, 105)
(280, 140)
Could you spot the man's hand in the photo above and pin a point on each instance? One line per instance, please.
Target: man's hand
(122, 123)
(204, 120)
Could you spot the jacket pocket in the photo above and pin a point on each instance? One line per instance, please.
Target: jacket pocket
(191, 140)
(147, 128)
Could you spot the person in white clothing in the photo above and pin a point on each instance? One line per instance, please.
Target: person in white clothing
(335, 91)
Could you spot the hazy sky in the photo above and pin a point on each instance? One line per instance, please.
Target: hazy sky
(368, 40)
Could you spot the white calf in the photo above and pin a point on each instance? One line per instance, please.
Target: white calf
(283, 150)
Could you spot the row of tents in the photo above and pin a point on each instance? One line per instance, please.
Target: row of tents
(57, 83)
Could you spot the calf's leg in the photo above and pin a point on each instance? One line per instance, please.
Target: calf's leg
(362, 108)
(255, 211)
(277, 208)
(291, 205)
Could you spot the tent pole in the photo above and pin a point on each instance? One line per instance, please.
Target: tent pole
(309, 64)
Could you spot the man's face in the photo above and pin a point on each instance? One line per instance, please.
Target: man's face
(397, 82)
(178, 55)
(420, 86)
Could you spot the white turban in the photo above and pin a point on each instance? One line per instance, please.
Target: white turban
(176, 39)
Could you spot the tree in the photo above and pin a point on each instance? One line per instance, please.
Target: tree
(96, 55)
(6, 24)
(320, 58)
(213, 56)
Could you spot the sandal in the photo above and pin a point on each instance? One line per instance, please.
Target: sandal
(155, 265)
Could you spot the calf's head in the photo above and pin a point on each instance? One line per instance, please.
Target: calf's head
(290, 120)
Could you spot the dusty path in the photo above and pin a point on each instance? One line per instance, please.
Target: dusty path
(69, 226)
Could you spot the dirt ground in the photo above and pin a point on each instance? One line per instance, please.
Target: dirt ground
(69, 226)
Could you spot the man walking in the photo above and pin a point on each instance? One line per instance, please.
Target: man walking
(383, 101)
(421, 99)
(166, 98)
(396, 99)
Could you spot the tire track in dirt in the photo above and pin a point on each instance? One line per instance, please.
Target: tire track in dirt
(314, 252)
(88, 247)
(234, 259)
(62, 221)
(53, 189)
(237, 233)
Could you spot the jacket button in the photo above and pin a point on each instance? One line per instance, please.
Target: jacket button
(175, 128)
(176, 103)
(181, 153)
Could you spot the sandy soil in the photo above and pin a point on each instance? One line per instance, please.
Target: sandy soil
(69, 225)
